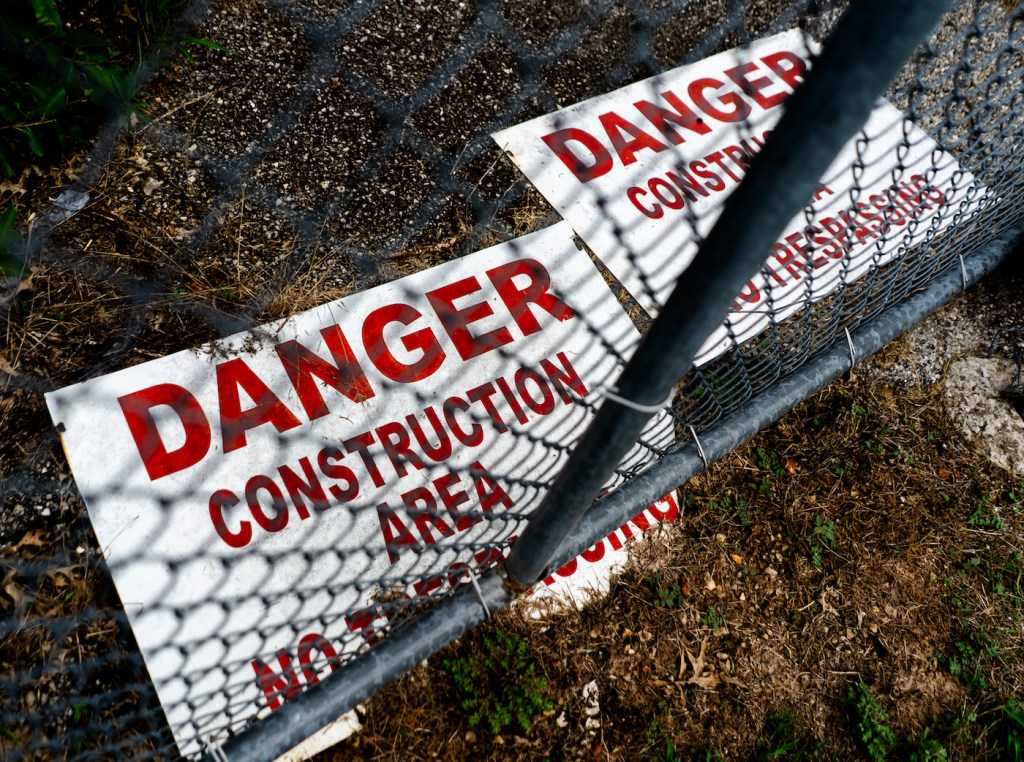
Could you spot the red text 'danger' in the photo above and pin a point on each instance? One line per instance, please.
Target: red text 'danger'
(402, 344)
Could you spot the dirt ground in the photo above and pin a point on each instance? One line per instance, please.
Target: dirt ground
(866, 538)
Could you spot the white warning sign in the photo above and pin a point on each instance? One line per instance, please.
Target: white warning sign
(259, 497)
(642, 173)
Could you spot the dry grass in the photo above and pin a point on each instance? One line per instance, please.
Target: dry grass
(69, 673)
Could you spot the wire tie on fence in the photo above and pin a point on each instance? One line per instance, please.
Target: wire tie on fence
(700, 450)
(963, 270)
(849, 345)
(479, 594)
(216, 751)
(614, 396)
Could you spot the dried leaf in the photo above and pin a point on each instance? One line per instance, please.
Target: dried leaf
(63, 576)
(698, 664)
(23, 285)
(734, 681)
(12, 591)
(707, 682)
(31, 542)
(6, 367)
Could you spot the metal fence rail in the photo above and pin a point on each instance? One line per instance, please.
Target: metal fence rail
(333, 156)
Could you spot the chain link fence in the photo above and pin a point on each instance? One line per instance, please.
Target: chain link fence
(316, 347)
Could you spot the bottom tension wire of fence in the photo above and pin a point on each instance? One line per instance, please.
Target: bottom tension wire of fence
(369, 672)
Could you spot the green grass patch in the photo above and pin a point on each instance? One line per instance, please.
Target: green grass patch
(1008, 733)
(785, 738)
(712, 619)
(667, 595)
(927, 748)
(500, 688)
(823, 537)
(61, 73)
(871, 722)
(972, 652)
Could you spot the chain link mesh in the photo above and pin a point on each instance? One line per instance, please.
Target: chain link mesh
(339, 147)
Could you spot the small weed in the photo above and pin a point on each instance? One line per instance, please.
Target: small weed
(502, 688)
(79, 709)
(904, 457)
(725, 505)
(927, 748)
(984, 517)
(90, 741)
(712, 619)
(8, 236)
(961, 609)
(61, 79)
(1009, 731)
(701, 755)
(666, 596)
(744, 513)
(1015, 497)
(973, 650)
(15, 738)
(785, 737)
(763, 487)
(859, 410)
(769, 460)
(842, 468)
(963, 730)
(874, 446)
(823, 537)
(656, 727)
(720, 505)
(1005, 576)
(669, 755)
(871, 721)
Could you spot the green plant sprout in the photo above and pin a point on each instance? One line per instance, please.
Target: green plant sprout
(501, 688)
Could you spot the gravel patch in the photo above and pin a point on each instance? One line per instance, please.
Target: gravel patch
(229, 98)
(964, 327)
(328, 149)
(972, 387)
(401, 44)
